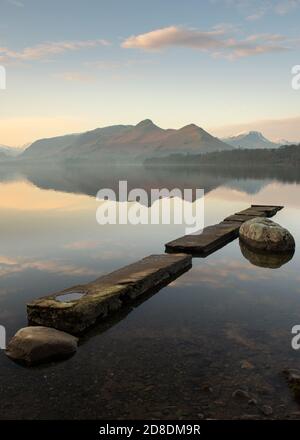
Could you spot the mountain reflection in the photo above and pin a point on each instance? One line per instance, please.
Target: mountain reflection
(88, 179)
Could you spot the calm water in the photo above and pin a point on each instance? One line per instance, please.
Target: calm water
(222, 326)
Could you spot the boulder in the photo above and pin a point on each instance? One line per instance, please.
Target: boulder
(263, 234)
(35, 345)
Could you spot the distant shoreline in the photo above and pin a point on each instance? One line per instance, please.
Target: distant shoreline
(286, 156)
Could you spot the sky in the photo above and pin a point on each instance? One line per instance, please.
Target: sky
(74, 65)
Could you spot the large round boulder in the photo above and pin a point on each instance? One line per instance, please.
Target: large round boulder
(264, 234)
(35, 345)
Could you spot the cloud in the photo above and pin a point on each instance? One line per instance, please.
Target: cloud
(218, 41)
(84, 244)
(44, 50)
(265, 37)
(256, 44)
(9, 266)
(226, 275)
(173, 36)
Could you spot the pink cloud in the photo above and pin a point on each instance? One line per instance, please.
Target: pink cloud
(218, 41)
(173, 36)
(45, 50)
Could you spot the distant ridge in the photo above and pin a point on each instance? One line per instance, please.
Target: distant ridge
(287, 156)
(252, 139)
(125, 143)
(10, 151)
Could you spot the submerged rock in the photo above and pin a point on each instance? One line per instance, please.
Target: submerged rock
(246, 365)
(35, 345)
(293, 380)
(270, 260)
(267, 410)
(264, 234)
(241, 394)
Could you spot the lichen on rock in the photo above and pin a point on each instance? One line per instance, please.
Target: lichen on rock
(265, 235)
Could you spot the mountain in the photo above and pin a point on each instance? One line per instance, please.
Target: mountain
(3, 156)
(253, 139)
(284, 142)
(192, 139)
(48, 148)
(10, 151)
(125, 143)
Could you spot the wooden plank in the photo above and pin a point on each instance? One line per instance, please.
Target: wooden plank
(216, 236)
(75, 309)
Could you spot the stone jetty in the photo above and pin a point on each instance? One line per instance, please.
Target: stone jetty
(75, 309)
(78, 308)
(216, 236)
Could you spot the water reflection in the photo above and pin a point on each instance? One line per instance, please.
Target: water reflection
(89, 178)
(265, 259)
(180, 353)
(69, 297)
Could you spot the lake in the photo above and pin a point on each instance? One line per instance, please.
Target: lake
(224, 325)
